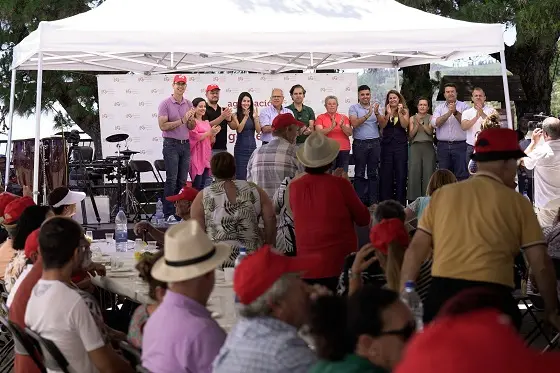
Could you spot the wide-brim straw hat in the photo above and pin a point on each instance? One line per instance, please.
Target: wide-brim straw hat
(188, 253)
(318, 151)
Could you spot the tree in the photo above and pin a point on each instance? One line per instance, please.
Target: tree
(531, 57)
(75, 92)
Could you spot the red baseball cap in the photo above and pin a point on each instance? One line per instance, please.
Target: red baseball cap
(260, 270)
(5, 199)
(180, 79)
(212, 87)
(32, 243)
(187, 193)
(495, 144)
(285, 120)
(15, 208)
(482, 342)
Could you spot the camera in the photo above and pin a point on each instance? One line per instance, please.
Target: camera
(533, 125)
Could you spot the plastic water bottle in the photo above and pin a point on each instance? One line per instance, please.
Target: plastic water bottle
(159, 212)
(121, 231)
(411, 298)
(242, 255)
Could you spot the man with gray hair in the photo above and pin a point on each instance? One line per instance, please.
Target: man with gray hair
(273, 303)
(268, 114)
(544, 159)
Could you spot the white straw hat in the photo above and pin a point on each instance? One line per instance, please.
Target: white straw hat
(318, 150)
(188, 253)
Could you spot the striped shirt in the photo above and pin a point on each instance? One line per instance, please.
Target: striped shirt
(270, 164)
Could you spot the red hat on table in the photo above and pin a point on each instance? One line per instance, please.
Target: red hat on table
(212, 87)
(482, 341)
(284, 121)
(187, 193)
(5, 199)
(32, 244)
(180, 79)
(497, 144)
(15, 208)
(260, 270)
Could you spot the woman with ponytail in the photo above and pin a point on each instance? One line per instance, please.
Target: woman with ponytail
(364, 333)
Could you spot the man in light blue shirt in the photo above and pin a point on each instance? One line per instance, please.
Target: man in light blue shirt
(268, 114)
(452, 145)
(366, 147)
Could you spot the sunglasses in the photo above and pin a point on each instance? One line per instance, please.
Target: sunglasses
(405, 333)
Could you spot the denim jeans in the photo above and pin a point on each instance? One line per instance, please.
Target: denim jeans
(366, 155)
(470, 151)
(199, 181)
(176, 156)
(342, 160)
(451, 155)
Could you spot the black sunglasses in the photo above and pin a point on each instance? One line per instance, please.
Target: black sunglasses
(405, 333)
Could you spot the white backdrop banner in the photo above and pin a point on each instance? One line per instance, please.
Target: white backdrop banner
(129, 103)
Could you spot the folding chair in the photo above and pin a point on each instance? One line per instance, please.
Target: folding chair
(159, 164)
(131, 353)
(53, 357)
(23, 345)
(149, 195)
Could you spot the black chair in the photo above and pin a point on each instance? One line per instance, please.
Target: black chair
(81, 178)
(23, 345)
(159, 164)
(149, 195)
(131, 353)
(53, 358)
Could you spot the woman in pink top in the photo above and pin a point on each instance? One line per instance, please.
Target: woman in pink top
(337, 127)
(200, 139)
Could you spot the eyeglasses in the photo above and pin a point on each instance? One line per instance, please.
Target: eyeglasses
(405, 333)
(273, 97)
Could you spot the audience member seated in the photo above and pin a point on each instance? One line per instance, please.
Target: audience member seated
(31, 218)
(285, 231)
(181, 336)
(6, 250)
(474, 333)
(156, 292)
(31, 254)
(364, 333)
(58, 312)
(229, 210)
(325, 209)
(63, 201)
(438, 179)
(274, 303)
(183, 202)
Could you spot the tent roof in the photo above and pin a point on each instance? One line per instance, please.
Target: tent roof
(163, 36)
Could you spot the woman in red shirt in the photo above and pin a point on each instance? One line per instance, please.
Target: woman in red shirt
(325, 208)
(336, 126)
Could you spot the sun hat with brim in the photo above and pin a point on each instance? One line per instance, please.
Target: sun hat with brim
(189, 253)
(5, 199)
(187, 193)
(318, 151)
(497, 144)
(63, 197)
(261, 269)
(14, 209)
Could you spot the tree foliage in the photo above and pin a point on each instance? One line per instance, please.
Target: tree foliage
(531, 57)
(76, 92)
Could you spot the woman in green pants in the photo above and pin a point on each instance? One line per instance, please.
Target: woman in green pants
(422, 160)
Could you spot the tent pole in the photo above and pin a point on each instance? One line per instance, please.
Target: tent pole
(10, 129)
(397, 83)
(506, 89)
(38, 126)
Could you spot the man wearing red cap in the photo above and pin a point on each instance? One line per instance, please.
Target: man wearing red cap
(175, 118)
(476, 228)
(274, 304)
(270, 165)
(183, 201)
(218, 116)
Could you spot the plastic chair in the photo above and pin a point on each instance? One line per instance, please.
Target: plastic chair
(53, 357)
(23, 345)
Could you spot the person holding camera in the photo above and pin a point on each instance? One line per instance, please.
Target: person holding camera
(544, 159)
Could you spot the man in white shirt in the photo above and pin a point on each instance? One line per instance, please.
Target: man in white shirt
(58, 312)
(472, 118)
(544, 159)
(268, 114)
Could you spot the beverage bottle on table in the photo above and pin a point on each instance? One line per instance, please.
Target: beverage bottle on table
(121, 231)
(411, 298)
(159, 212)
(242, 255)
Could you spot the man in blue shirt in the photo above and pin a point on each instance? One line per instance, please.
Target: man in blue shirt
(366, 147)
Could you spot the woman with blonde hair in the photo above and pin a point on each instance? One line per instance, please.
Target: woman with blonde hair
(438, 179)
(394, 149)
(491, 121)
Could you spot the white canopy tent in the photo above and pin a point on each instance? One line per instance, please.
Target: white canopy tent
(265, 36)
